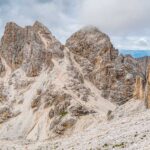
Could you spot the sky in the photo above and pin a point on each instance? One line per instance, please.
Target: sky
(127, 22)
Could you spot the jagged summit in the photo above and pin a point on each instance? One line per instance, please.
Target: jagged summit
(89, 29)
(38, 23)
(29, 47)
(39, 26)
(12, 25)
(89, 42)
(35, 24)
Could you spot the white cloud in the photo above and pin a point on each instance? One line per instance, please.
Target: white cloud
(125, 21)
(54, 14)
(131, 42)
(117, 16)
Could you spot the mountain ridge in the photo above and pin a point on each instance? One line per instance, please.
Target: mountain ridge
(50, 90)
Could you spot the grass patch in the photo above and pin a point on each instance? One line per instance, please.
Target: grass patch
(122, 145)
(105, 145)
(63, 113)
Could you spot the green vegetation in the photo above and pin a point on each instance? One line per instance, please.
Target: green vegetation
(63, 113)
(105, 145)
(122, 145)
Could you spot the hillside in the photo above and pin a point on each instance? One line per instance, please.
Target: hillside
(49, 90)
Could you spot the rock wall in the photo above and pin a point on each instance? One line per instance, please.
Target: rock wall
(142, 87)
(139, 89)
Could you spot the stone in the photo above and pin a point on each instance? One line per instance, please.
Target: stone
(79, 110)
(51, 113)
(5, 113)
(35, 102)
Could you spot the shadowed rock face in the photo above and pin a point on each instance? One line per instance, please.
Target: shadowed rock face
(113, 74)
(2, 68)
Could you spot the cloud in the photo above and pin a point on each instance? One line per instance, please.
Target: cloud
(125, 21)
(132, 42)
(4, 2)
(57, 15)
(122, 17)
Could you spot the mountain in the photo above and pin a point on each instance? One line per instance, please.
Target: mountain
(50, 91)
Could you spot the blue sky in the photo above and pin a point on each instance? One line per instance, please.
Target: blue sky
(127, 22)
(136, 53)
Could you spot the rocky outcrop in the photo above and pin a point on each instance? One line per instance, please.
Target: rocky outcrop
(142, 87)
(2, 69)
(139, 89)
(29, 47)
(147, 90)
(101, 64)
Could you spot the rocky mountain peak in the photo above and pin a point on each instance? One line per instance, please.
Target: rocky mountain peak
(90, 29)
(11, 25)
(29, 47)
(38, 26)
(102, 65)
(89, 42)
(11, 29)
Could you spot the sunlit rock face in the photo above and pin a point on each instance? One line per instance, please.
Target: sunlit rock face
(142, 87)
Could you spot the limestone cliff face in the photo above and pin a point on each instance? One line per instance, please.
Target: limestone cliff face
(139, 89)
(142, 87)
(28, 47)
(114, 75)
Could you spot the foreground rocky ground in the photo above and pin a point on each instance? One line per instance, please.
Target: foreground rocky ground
(128, 130)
